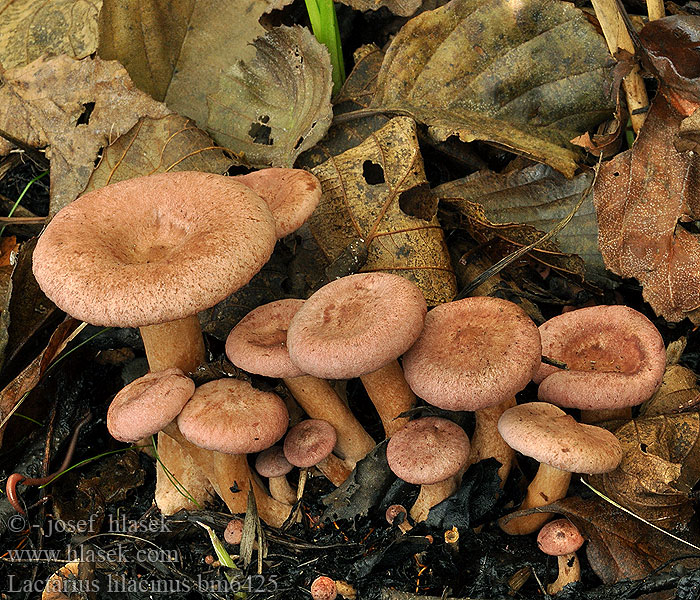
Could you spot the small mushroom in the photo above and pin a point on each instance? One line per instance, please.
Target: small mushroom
(561, 538)
(233, 534)
(428, 452)
(323, 588)
(310, 444)
(615, 357)
(271, 463)
(562, 446)
(358, 326)
(397, 515)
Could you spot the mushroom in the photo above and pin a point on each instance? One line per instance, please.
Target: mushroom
(233, 534)
(323, 588)
(272, 464)
(429, 452)
(310, 444)
(232, 418)
(615, 357)
(475, 354)
(397, 515)
(291, 195)
(561, 538)
(562, 446)
(258, 344)
(358, 326)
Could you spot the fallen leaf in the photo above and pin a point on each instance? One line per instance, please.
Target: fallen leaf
(527, 76)
(678, 393)
(520, 206)
(402, 8)
(171, 143)
(278, 104)
(660, 465)
(643, 197)
(8, 256)
(75, 107)
(365, 192)
(32, 28)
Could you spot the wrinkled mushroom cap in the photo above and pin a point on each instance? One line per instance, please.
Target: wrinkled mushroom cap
(148, 404)
(616, 358)
(428, 450)
(258, 343)
(273, 463)
(323, 588)
(549, 435)
(473, 353)
(233, 534)
(153, 249)
(356, 325)
(231, 416)
(291, 195)
(309, 442)
(559, 537)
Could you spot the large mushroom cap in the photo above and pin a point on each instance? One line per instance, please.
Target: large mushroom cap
(473, 353)
(309, 442)
(550, 436)
(148, 404)
(615, 355)
(291, 194)
(428, 450)
(153, 249)
(231, 416)
(258, 343)
(356, 325)
(559, 537)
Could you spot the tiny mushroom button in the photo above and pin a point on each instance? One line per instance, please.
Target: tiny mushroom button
(561, 538)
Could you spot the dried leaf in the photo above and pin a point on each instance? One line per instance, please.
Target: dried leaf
(678, 393)
(528, 76)
(273, 107)
(170, 143)
(642, 197)
(75, 107)
(32, 28)
(8, 255)
(365, 192)
(520, 206)
(660, 465)
(402, 8)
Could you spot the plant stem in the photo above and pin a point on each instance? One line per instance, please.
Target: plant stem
(324, 23)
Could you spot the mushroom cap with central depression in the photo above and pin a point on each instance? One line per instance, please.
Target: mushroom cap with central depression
(231, 416)
(356, 325)
(153, 249)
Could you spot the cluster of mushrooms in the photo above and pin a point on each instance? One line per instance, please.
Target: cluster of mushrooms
(154, 251)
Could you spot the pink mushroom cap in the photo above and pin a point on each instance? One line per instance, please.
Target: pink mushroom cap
(428, 450)
(258, 343)
(473, 353)
(231, 416)
(615, 355)
(356, 325)
(559, 537)
(309, 442)
(153, 249)
(272, 462)
(323, 588)
(233, 534)
(148, 404)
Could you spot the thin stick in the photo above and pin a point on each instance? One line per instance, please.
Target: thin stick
(618, 38)
(656, 9)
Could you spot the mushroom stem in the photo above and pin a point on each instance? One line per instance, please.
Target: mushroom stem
(319, 400)
(334, 470)
(569, 571)
(549, 485)
(390, 394)
(430, 495)
(174, 344)
(281, 490)
(487, 441)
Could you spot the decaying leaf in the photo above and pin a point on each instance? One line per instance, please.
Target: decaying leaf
(520, 206)
(678, 393)
(643, 197)
(660, 465)
(8, 254)
(402, 8)
(618, 545)
(74, 107)
(365, 193)
(528, 76)
(171, 40)
(278, 104)
(32, 28)
(171, 143)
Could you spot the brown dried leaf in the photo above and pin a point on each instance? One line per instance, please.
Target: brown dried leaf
(642, 196)
(402, 8)
(528, 76)
(32, 28)
(660, 465)
(8, 254)
(364, 193)
(678, 393)
(276, 105)
(170, 143)
(46, 102)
